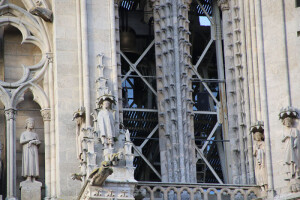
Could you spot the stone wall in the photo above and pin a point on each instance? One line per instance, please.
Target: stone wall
(66, 95)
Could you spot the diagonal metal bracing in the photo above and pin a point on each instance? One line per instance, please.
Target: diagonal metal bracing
(146, 160)
(200, 152)
(138, 61)
(138, 73)
(203, 53)
(205, 12)
(210, 136)
(148, 137)
(206, 86)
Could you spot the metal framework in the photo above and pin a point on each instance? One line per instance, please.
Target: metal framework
(134, 68)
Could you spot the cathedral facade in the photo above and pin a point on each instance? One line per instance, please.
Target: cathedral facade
(149, 99)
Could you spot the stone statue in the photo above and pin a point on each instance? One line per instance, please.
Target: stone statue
(260, 164)
(106, 122)
(30, 158)
(127, 136)
(292, 149)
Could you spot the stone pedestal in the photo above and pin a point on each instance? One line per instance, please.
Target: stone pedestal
(30, 190)
(110, 190)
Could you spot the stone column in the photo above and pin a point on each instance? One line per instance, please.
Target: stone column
(46, 114)
(10, 115)
(52, 144)
(172, 47)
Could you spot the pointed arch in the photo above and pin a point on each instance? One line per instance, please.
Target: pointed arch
(39, 96)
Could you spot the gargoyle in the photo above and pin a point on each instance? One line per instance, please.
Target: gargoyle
(44, 13)
(99, 175)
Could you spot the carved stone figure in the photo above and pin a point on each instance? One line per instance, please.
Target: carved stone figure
(260, 164)
(30, 142)
(292, 149)
(127, 136)
(79, 117)
(106, 123)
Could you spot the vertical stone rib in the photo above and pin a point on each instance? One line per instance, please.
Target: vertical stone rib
(237, 54)
(173, 64)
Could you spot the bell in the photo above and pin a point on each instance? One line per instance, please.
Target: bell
(128, 41)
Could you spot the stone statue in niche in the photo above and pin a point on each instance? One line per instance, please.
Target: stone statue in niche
(30, 157)
(259, 154)
(106, 122)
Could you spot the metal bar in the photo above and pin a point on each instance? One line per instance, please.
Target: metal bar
(144, 53)
(146, 160)
(209, 166)
(205, 85)
(143, 76)
(142, 138)
(149, 136)
(207, 15)
(138, 61)
(205, 113)
(210, 136)
(203, 53)
(126, 75)
(140, 110)
(137, 71)
(208, 80)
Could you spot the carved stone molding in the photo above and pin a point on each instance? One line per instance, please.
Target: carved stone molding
(46, 114)
(10, 114)
(223, 4)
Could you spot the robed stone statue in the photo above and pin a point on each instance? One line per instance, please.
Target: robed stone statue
(30, 157)
(292, 149)
(106, 123)
(260, 161)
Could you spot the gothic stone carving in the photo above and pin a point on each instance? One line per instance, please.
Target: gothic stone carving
(223, 4)
(292, 143)
(259, 154)
(105, 120)
(30, 142)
